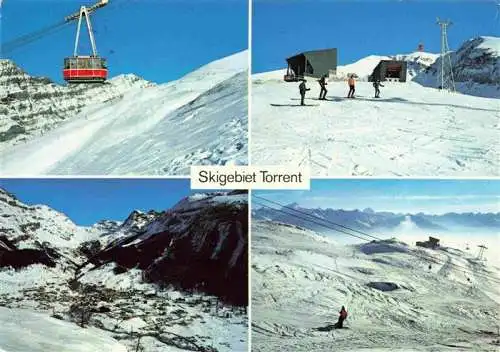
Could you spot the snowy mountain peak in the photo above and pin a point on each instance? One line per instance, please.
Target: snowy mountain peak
(418, 57)
(233, 63)
(209, 75)
(476, 68)
(130, 80)
(489, 44)
(137, 220)
(26, 226)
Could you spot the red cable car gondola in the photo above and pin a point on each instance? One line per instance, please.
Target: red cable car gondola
(85, 69)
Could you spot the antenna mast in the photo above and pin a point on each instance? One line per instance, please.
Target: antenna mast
(446, 79)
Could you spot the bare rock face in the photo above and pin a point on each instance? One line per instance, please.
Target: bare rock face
(476, 61)
(31, 106)
(201, 244)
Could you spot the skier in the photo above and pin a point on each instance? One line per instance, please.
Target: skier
(322, 84)
(376, 85)
(352, 84)
(303, 90)
(342, 317)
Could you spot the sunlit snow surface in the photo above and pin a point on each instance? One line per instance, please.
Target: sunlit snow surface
(156, 130)
(300, 280)
(24, 331)
(410, 131)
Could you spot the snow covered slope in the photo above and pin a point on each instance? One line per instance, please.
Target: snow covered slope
(395, 301)
(410, 131)
(361, 68)
(27, 225)
(22, 330)
(149, 130)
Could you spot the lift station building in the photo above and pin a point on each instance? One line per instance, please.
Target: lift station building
(389, 70)
(314, 63)
(432, 243)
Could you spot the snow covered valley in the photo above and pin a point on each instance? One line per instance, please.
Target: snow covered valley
(399, 297)
(158, 281)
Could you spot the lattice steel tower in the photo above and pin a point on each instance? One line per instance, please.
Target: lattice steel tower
(445, 77)
(481, 251)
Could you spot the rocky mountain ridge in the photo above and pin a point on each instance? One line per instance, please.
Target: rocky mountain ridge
(31, 106)
(369, 219)
(202, 239)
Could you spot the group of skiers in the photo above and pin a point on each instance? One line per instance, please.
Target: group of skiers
(322, 83)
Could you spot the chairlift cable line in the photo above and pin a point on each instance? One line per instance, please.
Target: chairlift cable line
(328, 221)
(303, 218)
(421, 255)
(26, 39)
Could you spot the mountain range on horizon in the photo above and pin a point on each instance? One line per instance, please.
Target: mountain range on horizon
(368, 218)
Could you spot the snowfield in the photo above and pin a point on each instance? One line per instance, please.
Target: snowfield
(149, 130)
(414, 129)
(395, 301)
(26, 331)
(410, 131)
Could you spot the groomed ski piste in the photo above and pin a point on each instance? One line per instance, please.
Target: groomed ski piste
(412, 130)
(152, 130)
(395, 302)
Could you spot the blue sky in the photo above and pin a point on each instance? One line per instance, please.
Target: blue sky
(86, 201)
(359, 28)
(160, 40)
(405, 196)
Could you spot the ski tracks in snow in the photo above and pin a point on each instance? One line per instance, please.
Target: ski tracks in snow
(426, 133)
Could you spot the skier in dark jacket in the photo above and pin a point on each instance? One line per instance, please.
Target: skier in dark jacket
(376, 85)
(322, 84)
(342, 317)
(303, 90)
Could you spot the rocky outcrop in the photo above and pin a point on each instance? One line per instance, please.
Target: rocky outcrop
(31, 106)
(198, 245)
(476, 61)
(11, 256)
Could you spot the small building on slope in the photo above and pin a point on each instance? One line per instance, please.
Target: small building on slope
(432, 243)
(314, 63)
(389, 70)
